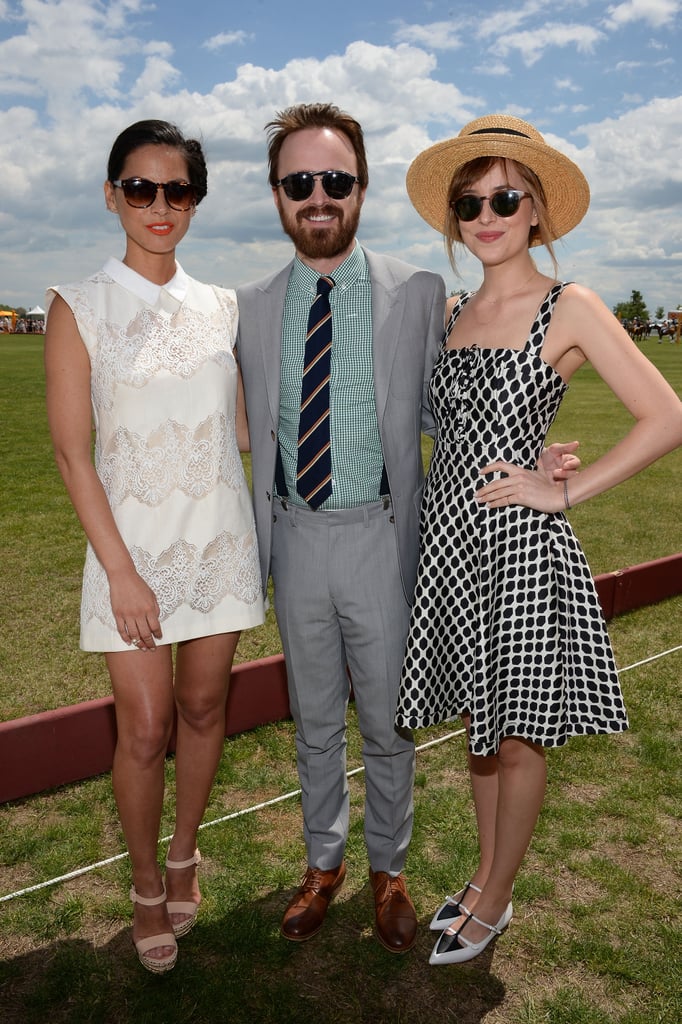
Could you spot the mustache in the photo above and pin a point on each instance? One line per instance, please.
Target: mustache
(325, 211)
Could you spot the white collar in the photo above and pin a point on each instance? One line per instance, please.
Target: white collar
(142, 287)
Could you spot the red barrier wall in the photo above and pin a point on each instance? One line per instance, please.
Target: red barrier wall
(76, 742)
(72, 743)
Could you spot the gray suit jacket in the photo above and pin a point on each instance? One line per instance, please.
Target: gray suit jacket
(407, 328)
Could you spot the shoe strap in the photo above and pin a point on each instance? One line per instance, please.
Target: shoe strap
(154, 942)
(454, 902)
(148, 901)
(176, 864)
(455, 933)
(182, 907)
(484, 924)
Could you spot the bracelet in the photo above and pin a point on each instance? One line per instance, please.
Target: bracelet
(567, 503)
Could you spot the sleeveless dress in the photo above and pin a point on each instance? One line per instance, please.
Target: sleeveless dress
(164, 386)
(506, 622)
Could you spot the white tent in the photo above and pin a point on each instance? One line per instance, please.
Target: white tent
(36, 311)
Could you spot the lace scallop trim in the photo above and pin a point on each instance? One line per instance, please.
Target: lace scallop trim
(184, 574)
(173, 457)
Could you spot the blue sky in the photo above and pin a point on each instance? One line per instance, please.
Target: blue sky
(602, 81)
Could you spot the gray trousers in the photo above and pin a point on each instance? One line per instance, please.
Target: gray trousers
(339, 602)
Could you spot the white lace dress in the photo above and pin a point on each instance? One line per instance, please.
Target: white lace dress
(164, 385)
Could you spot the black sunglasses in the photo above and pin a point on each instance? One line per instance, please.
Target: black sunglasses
(141, 193)
(505, 202)
(300, 185)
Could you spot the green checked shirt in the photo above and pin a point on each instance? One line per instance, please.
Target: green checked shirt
(357, 458)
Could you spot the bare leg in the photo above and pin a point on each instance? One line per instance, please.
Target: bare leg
(143, 696)
(202, 679)
(483, 772)
(521, 778)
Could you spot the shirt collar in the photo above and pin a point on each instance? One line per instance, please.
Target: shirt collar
(144, 289)
(353, 268)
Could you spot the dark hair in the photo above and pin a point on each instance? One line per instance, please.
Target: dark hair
(470, 172)
(159, 133)
(314, 115)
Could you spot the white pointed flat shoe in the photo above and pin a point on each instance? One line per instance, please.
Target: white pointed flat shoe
(449, 911)
(454, 948)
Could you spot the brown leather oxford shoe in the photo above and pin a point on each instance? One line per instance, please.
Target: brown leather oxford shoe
(396, 920)
(306, 912)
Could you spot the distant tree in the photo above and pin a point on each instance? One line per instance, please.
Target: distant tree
(636, 307)
(19, 310)
(659, 314)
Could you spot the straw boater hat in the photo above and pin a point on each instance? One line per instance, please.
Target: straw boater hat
(566, 191)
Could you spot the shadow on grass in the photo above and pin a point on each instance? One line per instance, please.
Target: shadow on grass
(236, 967)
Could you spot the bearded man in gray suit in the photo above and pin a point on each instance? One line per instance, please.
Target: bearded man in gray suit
(343, 572)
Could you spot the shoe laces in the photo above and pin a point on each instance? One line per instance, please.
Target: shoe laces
(313, 880)
(391, 887)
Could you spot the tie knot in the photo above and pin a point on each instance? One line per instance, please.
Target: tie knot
(324, 285)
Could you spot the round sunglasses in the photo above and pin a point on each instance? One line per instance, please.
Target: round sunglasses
(301, 184)
(141, 193)
(504, 203)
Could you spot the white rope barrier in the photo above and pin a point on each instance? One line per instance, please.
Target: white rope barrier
(654, 657)
(275, 800)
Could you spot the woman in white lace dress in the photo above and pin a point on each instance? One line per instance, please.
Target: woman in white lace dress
(147, 353)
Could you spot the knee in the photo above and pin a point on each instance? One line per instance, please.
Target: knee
(201, 711)
(145, 740)
(517, 754)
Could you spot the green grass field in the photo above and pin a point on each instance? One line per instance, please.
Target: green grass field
(596, 933)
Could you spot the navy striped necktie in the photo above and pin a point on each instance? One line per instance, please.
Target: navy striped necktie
(314, 465)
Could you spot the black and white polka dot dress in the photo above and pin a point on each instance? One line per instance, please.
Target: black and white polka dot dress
(506, 622)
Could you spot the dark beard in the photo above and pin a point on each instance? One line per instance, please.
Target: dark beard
(316, 244)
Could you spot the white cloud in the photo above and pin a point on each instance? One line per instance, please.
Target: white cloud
(69, 48)
(439, 35)
(495, 69)
(657, 13)
(71, 84)
(532, 44)
(222, 39)
(508, 18)
(157, 76)
(567, 84)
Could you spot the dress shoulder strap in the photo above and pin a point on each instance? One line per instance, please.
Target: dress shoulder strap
(456, 310)
(536, 338)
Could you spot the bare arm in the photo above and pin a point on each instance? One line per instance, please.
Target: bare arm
(589, 331)
(241, 423)
(67, 370)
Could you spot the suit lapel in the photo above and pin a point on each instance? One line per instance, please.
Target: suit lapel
(268, 316)
(387, 313)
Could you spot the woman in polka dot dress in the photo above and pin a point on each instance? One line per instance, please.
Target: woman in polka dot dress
(506, 627)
